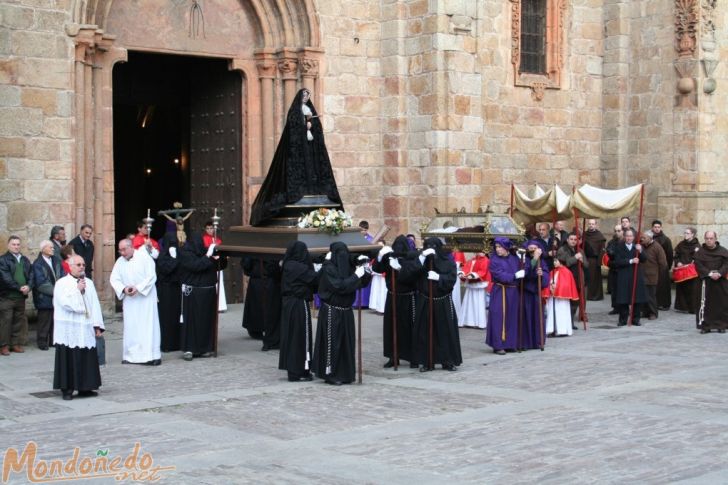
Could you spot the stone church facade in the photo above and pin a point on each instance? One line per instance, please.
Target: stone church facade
(425, 103)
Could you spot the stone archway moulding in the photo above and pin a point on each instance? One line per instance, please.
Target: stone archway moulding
(286, 55)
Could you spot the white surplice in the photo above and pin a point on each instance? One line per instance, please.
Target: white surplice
(75, 315)
(142, 337)
(558, 316)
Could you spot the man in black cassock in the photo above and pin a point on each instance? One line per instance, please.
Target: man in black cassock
(403, 290)
(664, 282)
(711, 263)
(435, 269)
(262, 310)
(612, 275)
(169, 293)
(198, 274)
(298, 283)
(628, 257)
(334, 354)
(300, 165)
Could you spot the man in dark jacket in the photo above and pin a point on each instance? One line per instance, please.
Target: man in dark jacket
(664, 282)
(84, 247)
(16, 281)
(58, 238)
(628, 259)
(47, 270)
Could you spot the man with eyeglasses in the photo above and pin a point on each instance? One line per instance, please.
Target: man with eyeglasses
(612, 275)
(77, 321)
(711, 263)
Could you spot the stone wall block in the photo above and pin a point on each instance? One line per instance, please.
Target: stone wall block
(20, 121)
(46, 99)
(24, 169)
(15, 16)
(11, 147)
(47, 190)
(25, 214)
(10, 190)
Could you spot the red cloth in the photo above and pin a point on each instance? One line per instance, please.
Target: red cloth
(565, 284)
(459, 257)
(66, 267)
(478, 265)
(140, 239)
(207, 240)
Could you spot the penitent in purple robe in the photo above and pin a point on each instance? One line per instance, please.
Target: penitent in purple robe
(502, 332)
(531, 334)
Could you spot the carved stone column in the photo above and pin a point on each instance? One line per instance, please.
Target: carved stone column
(288, 67)
(267, 75)
(309, 73)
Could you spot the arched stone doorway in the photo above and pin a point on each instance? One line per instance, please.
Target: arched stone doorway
(274, 45)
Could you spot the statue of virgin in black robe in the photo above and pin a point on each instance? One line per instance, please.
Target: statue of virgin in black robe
(300, 166)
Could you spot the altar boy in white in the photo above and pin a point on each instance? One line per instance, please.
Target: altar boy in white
(133, 279)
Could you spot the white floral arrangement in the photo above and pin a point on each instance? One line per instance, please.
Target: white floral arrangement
(332, 221)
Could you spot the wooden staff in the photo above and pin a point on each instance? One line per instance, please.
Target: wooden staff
(395, 356)
(431, 352)
(540, 303)
(580, 266)
(358, 337)
(634, 269)
(519, 337)
(215, 331)
(510, 211)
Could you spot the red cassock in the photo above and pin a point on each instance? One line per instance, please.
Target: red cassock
(207, 240)
(140, 239)
(459, 257)
(478, 265)
(565, 285)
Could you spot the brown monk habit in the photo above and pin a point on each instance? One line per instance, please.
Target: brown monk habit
(713, 294)
(594, 244)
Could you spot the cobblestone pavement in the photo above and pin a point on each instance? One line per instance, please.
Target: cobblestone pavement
(609, 405)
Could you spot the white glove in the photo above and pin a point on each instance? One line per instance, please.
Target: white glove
(432, 275)
(210, 250)
(394, 264)
(422, 259)
(173, 252)
(520, 274)
(316, 267)
(359, 271)
(427, 252)
(383, 252)
(328, 256)
(363, 259)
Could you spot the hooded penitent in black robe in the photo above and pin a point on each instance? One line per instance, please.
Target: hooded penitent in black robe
(262, 310)
(169, 294)
(612, 274)
(685, 292)
(198, 275)
(712, 294)
(664, 282)
(300, 166)
(594, 243)
(403, 289)
(445, 335)
(298, 283)
(334, 354)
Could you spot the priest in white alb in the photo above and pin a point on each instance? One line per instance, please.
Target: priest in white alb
(133, 279)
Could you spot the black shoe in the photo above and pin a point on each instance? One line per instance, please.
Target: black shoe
(388, 364)
(293, 378)
(636, 324)
(613, 312)
(413, 365)
(307, 378)
(87, 393)
(499, 352)
(43, 347)
(449, 367)
(425, 369)
(68, 396)
(704, 330)
(333, 383)
(574, 327)
(125, 362)
(621, 324)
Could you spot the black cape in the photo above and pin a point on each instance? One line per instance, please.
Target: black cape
(446, 336)
(262, 310)
(169, 294)
(299, 167)
(334, 354)
(401, 291)
(298, 282)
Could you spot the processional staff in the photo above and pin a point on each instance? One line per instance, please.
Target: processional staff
(215, 224)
